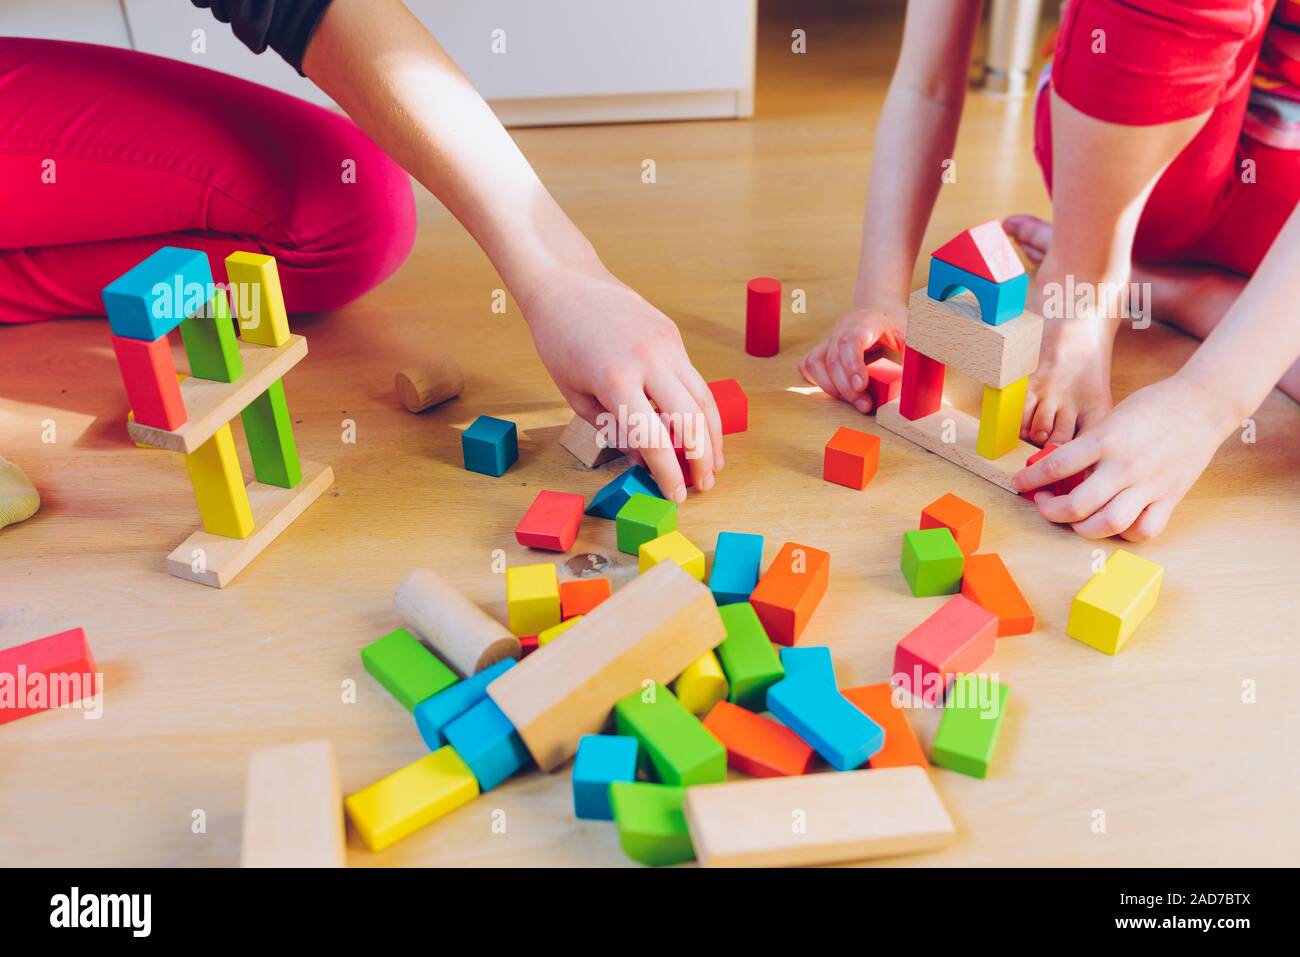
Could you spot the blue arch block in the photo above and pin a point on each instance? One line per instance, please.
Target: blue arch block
(999, 301)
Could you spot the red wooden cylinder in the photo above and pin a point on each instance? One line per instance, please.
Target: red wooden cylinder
(763, 317)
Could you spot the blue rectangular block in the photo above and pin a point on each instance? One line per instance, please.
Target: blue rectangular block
(611, 498)
(432, 715)
(490, 445)
(811, 659)
(486, 740)
(156, 295)
(602, 759)
(736, 561)
(823, 717)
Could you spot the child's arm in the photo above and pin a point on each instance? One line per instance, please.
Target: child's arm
(1156, 443)
(605, 346)
(914, 136)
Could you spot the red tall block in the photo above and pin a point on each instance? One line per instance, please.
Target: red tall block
(922, 391)
(763, 317)
(551, 522)
(150, 379)
(65, 662)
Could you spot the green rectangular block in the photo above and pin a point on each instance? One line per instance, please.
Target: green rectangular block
(676, 747)
(968, 730)
(643, 518)
(269, 433)
(651, 826)
(931, 562)
(749, 659)
(210, 344)
(410, 671)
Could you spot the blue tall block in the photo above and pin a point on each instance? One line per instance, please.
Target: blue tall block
(486, 740)
(602, 759)
(999, 301)
(812, 660)
(823, 717)
(432, 715)
(736, 561)
(607, 502)
(154, 296)
(490, 445)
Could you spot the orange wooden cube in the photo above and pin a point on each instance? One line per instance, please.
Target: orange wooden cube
(851, 458)
(788, 594)
(964, 520)
(986, 581)
(901, 747)
(756, 745)
(581, 595)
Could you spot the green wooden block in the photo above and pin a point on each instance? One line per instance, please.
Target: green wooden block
(968, 730)
(932, 563)
(643, 518)
(676, 747)
(269, 433)
(651, 825)
(210, 345)
(748, 658)
(410, 671)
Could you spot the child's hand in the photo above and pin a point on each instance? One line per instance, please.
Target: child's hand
(1148, 452)
(836, 363)
(609, 350)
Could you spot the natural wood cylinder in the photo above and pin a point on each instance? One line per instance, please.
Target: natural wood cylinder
(424, 386)
(464, 635)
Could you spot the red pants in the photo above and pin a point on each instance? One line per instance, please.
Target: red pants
(107, 154)
(1165, 60)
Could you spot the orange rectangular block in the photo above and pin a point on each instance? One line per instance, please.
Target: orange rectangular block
(986, 581)
(756, 745)
(901, 747)
(964, 520)
(851, 458)
(788, 594)
(581, 595)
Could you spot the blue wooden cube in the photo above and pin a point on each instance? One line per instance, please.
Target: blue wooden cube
(602, 760)
(827, 720)
(736, 561)
(611, 498)
(432, 715)
(490, 445)
(486, 741)
(154, 296)
(810, 659)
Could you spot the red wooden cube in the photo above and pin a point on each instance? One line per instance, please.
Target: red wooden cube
(851, 458)
(733, 405)
(884, 380)
(552, 521)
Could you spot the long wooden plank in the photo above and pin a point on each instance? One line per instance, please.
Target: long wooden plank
(209, 404)
(293, 808)
(214, 560)
(929, 433)
(826, 818)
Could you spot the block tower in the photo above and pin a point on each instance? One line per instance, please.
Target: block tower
(971, 316)
(229, 376)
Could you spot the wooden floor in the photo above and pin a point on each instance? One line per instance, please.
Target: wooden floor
(1178, 751)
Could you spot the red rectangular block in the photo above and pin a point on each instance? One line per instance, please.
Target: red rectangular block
(756, 745)
(789, 592)
(149, 376)
(46, 673)
(733, 405)
(851, 458)
(551, 522)
(901, 747)
(960, 636)
(987, 582)
(922, 390)
(581, 595)
(884, 380)
(1062, 487)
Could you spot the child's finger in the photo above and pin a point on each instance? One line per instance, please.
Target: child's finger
(657, 449)
(1086, 499)
(585, 407)
(840, 378)
(703, 395)
(814, 370)
(1116, 515)
(1069, 459)
(691, 430)
(1150, 523)
(852, 352)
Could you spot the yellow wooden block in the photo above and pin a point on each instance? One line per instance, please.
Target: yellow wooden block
(259, 303)
(550, 634)
(399, 805)
(701, 685)
(219, 486)
(1114, 602)
(676, 546)
(532, 598)
(1000, 417)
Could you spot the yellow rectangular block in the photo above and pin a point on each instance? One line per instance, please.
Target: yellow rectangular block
(1114, 602)
(550, 634)
(219, 486)
(532, 598)
(259, 303)
(676, 546)
(702, 685)
(1000, 416)
(399, 805)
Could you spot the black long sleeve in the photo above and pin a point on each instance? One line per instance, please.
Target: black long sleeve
(285, 26)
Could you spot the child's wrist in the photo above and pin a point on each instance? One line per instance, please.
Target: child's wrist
(1222, 406)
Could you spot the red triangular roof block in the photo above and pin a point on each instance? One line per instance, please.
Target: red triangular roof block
(983, 250)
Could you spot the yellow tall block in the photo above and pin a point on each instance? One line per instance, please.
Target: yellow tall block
(702, 685)
(259, 303)
(1000, 416)
(399, 805)
(676, 546)
(532, 598)
(1114, 602)
(219, 486)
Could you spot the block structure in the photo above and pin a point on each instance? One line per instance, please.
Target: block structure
(960, 636)
(884, 380)
(1109, 608)
(851, 458)
(490, 446)
(790, 590)
(602, 759)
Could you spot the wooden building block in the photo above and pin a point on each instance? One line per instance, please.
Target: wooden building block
(931, 562)
(431, 383)
(823, 717)
(960, 636)
(921, 393)
(651, 826)
(219, 487)
(964, 520)
(845, 817)
(149, 377)
(884, 380)
(409, 671)
(763, 317)
(399, 805)
(702, 684)
(259, 303)
(901, 747)
(812, 660)
(293, 808)
(1000, 416)
(490, 446)
(968, 730)
(851, 458)
(1109, 608)
(748, 658)
(999, 301)
(151, 298)
(464, 635)
(951, 332)
(66, 670)
(580, 595)
(983, 250)
(758, 746)
(642, 519)
(433, 714)
(210, 343)
(788, 594)
(586, 443)
(527, 645)
(651, 629)
(486, 741)
(532, 598)
(551, 522)
(675, 746)
(610, 500)
(986, 581)
(602, 759)
(548, 635)
(268, 429)
(733, 405)
(1060, 487)
(676, 547)
(737, 558)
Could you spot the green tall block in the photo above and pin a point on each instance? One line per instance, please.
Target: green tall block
(931, 562)
(651, 826)
(269, 433)
(643, 518)
(410, 671)
(676, 747)
(748, 657)
(968, 730)
(210, 344)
